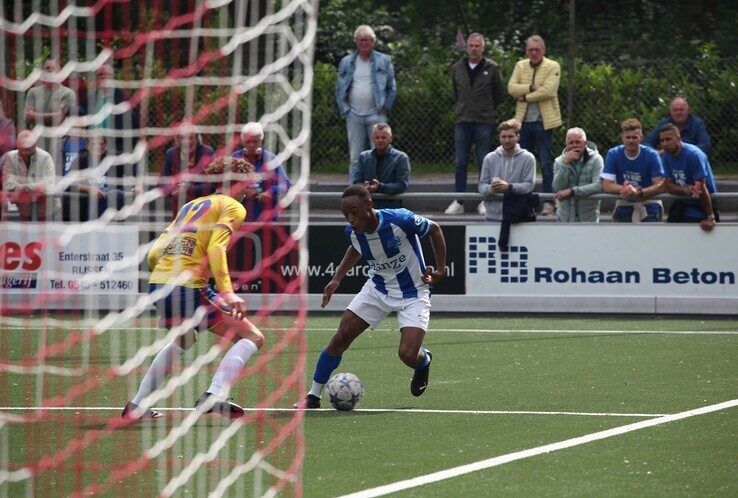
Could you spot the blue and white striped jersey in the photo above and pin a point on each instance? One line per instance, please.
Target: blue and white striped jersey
(393, 252)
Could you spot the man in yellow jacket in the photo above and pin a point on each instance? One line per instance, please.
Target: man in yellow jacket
(534, 84)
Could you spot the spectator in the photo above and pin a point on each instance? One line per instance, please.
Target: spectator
(7, 132)
(72, 145)
(509, 168)
(188, 157)
(688, 174)
(635, 173)
(7, 143)
(365, 92)
(534, 84)
(48, 104)
(93, 195)
(478, 92)
(28, 171)
(691, 128)
(261, 202)
(104, 92)
(383, 169)
(576, 176)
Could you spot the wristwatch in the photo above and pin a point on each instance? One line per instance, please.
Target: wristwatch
(711, 217)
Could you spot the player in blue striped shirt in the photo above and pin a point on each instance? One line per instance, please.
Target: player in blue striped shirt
(389, 241)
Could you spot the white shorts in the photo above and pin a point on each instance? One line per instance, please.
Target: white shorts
(372, 306)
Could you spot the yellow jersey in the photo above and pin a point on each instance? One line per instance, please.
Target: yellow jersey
(196, 242)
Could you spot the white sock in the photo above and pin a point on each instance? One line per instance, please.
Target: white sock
(316, 389)
(160, 367)
(233, 362)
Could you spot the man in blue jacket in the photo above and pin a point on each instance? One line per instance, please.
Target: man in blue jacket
(692, 129)
(383, 169)
(365, 91)
(262, 201)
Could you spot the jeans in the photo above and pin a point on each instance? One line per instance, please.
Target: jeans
(537, 141)
(466, 134)
(359, 130)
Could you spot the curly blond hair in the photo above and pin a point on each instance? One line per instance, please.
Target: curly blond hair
(227, 164)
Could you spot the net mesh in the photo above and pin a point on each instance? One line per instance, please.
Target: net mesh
(77, 320)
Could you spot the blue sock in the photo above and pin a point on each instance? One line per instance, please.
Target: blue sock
(325, 366)
(425, 360)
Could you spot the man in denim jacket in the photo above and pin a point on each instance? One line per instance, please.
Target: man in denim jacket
(365, 91)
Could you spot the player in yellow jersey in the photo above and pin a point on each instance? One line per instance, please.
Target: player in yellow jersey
(182, 260)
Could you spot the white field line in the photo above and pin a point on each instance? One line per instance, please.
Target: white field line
(432, 330)
(365, 410)
(562, 331)
(519, 455)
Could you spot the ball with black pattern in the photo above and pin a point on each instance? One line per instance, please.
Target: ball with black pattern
(345, 390)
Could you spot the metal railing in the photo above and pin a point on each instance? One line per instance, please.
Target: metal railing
(156, 213)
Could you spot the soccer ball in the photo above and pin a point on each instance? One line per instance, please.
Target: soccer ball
(345, 391)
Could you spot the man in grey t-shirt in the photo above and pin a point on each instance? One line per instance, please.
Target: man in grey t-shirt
(48, 104)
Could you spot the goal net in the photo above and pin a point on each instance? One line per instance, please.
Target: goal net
(143, 96)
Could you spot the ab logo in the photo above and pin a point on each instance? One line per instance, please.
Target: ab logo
(513, 263)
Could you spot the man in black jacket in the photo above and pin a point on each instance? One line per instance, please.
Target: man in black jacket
(478, 90)
(104, 92)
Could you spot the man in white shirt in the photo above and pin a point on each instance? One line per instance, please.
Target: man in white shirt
(365, 92)
(27, 174)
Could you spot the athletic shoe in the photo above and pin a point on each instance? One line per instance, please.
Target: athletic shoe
(454, 208)
(311, 402)
(420, 378)
(548, 208)
(210, 403)
(129, 415)
(482, 209)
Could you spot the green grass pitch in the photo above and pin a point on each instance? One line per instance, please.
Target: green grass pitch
(498, 386)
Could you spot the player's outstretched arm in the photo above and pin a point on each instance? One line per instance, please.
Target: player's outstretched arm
(350, 259)
(438, 243)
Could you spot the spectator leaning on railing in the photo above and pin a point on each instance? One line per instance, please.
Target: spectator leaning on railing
(635, 173)
(93, 194)
(188, 157)
(27, 173)
(365, 91)
(262, 199)
(691, 128)
(509, 168)
(576, 176)
(383, 169)
(688, 175)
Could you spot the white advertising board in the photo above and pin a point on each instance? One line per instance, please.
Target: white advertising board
(63, 260)
(649, 260)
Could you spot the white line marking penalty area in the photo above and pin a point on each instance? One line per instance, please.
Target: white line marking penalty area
(519, 455)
